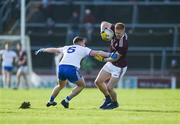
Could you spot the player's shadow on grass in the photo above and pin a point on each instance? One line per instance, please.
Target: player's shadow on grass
(92, 108)
(156, 111)
(7, 112)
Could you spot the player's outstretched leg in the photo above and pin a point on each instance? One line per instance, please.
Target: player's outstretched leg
(80, 86)
(55, 92)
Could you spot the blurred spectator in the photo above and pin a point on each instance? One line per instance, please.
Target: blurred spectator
(45, 3)
(74, 26)
(9, 58)
(50, 25)
(47, 8)
(15, 6)
(37, 14)
(173, 67)
(22, 71)
(89, 19)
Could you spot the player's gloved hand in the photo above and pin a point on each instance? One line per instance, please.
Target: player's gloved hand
(112, 57)
(39, 51)
(99, 58)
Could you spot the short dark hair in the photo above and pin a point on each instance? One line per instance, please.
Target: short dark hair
(77, 39)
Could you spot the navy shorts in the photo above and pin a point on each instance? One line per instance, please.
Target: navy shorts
(8, 68)
(69, 72)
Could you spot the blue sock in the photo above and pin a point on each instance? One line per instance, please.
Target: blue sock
(52, 99)
(67, 99)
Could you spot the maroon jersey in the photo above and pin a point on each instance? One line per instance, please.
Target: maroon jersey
(120, 46)
(21, 56)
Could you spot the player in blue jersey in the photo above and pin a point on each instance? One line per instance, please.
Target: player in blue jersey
(8, 57)
(69, 67)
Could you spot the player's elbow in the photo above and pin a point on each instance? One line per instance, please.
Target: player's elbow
(104, 22)
(93, 53)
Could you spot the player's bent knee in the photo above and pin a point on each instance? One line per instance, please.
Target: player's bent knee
(83, 86)
(97, 82)
(60, 86)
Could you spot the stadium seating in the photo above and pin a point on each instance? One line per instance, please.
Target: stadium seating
(140, 32)
(152, 24)
(150, 14)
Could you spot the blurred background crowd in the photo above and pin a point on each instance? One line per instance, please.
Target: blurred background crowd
(153, 28)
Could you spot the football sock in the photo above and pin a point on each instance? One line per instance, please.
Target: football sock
(115, 102)
(67, 99)
(108, 97)
(52, 99)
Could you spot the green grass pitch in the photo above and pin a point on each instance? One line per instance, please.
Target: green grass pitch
(136, 106)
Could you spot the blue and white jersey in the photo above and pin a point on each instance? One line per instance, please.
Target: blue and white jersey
(7, 56)
(72, 55)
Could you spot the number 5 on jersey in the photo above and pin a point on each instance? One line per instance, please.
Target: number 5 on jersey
(71, 49)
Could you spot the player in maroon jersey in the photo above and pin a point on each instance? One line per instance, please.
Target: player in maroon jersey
(113, 71)
(22, 66)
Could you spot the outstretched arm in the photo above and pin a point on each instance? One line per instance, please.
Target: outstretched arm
(52, 50)
(48, 50)
(103, 56)
(101, 53)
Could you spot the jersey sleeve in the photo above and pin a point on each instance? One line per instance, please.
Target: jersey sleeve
(87, 51)
(1, 52)
(61, 49)
(14, 54)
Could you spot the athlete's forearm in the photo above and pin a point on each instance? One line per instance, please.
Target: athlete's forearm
(51, 50)
(102, 53)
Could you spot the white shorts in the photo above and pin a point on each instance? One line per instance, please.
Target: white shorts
(115, 71)
(23, 69)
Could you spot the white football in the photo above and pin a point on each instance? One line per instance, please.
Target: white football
(109, 33)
